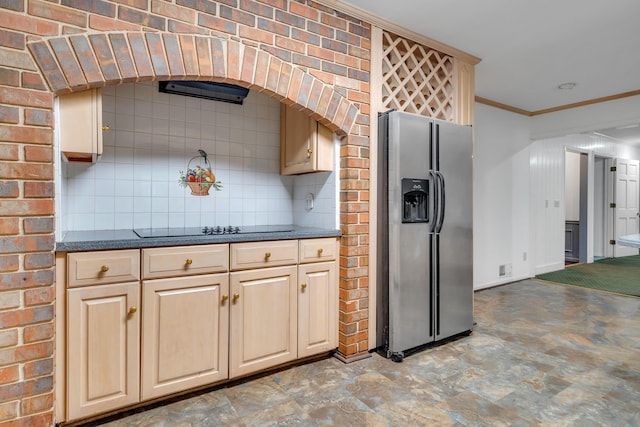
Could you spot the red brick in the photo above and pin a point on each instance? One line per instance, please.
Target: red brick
(140, 55)
(48, 65)
(174, 57)
(282, 54)
(273, 74)
(39, 332)
(248, 64)
(27, 388)
(24, 244)
(9, 226)
(184, 28)
(38, 117)
(305, 36)
(302, 10)
(38, 368)
(206, 6)
(8, 337)
(285, 79)
(189, 55)
(38, 154)
(273, 27)
(218, 58)
(12, 39)
(238, 16)
(102, 51)
(102, 23)
(100, 7)
(8, 411)
(33, 81)
(13, 318)
(305, 61)
(9, 114)
(45, 419)
(26, 97)
(172, 11)
(203, 52)
(38, 261)
(292, 45)
(38, 225)
(9, 77)
(305, 89)
(14, 170)
(9, 152)
(57, 13)
(262, 67)
(333, 21)
(36, 404)
(158, 58)
(27, 24)
(218, 24)
(314, 94)
(9, 374)
(289, 19)
(281, 4)
(255, 34)
(87, 59)
(9, 263)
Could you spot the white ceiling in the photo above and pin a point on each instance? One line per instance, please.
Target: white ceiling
(528, 48)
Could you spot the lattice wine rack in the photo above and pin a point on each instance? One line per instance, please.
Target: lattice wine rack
(416, 79)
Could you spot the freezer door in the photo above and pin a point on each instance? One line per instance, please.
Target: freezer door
(410, 295)
(454, 305)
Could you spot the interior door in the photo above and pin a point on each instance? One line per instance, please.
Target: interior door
(626, 211)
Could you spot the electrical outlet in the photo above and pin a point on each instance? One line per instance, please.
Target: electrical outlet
(501, 270)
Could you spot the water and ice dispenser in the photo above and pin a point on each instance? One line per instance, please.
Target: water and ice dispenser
(415, 200)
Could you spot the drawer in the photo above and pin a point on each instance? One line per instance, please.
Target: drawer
(184, 260)
(100, 267)
(315, 250)
(263, 254)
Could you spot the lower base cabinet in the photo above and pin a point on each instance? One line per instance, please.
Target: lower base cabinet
(263, 329)
(103, 348)
(317, 308)
(185, 330)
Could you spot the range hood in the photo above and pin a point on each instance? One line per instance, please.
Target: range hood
(207, 90)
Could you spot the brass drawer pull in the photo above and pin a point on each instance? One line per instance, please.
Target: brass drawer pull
(236, 296)
(189, 261)
(303, 286)
(104, 268)
(133, 309)
(224, 298)
(267, 255)
(320, 251)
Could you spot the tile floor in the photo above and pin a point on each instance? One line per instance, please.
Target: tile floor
(541, 354)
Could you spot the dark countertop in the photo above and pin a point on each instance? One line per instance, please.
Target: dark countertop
(126, 239)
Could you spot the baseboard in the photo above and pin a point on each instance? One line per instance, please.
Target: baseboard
(500, 282)
(548, 268)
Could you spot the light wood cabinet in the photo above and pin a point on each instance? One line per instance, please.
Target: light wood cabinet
(184, 260)
(305, 145)
(80, 117)
(263, 254)
(185, 333)
(103, 348)
(317, 308)
(263, 319)
(102, 267)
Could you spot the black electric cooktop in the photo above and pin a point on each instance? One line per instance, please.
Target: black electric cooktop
(209, 230)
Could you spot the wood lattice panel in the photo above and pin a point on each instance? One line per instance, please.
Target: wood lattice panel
(416, 79)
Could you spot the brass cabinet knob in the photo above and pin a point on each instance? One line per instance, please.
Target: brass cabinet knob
(105, 128)
(235, 297)
(309, 152)
(320, 251)
(267, 254)
(224, 298)
(104, 268)
(189, 261)
(303, 286)
(133, 309)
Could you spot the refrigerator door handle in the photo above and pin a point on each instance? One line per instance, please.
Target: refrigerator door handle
(442, 202)
(434, 219)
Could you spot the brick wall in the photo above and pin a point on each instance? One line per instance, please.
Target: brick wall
(300, 52)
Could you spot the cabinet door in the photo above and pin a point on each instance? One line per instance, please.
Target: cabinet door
(263, 319)
(185, 324)
(80, 115)
(103, 348)
(305, 145)
(317, 308)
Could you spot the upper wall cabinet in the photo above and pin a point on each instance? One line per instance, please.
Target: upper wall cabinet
(80, 115)
(305, 145)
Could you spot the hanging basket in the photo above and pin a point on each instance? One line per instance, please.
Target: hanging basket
(198, 189)
(199, 179)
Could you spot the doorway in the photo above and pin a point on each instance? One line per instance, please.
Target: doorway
(576, 196)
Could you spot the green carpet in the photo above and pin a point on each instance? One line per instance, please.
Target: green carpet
(619, 275)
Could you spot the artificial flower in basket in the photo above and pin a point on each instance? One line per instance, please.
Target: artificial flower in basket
(199, 180)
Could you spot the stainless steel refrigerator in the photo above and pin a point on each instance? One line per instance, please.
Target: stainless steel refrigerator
(425, 254)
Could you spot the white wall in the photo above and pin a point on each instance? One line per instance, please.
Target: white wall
(501, 198)
(154, 135)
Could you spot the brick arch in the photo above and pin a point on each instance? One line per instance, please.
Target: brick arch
(82, 61)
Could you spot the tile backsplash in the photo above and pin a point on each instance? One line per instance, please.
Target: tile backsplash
(155, 135)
